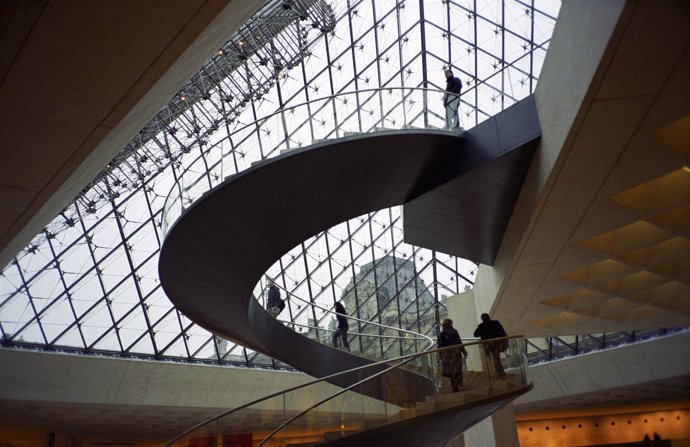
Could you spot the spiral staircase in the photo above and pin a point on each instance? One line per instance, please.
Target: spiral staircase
(223, 235)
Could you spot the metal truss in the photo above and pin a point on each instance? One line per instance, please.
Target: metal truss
(241, 71)
(89, 283)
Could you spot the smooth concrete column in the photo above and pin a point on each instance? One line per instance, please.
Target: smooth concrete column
(499, 430)
(578, 55)
(463, 312)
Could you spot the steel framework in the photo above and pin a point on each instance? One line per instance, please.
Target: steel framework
(88, 282)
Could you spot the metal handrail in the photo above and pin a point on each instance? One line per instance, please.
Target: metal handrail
(365, 322)
(400, 362)
(398, 365)
(336, 394)
(329, 97)
(282, 111)
(317, 328)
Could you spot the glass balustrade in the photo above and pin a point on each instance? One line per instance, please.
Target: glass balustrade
(342, 115)
(368, 339)
(368, 397)
(367, 345)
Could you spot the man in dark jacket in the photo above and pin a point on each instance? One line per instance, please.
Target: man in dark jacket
(451, 100)
(274, 304)
(451, 359)
(341, 333)
(487, 330)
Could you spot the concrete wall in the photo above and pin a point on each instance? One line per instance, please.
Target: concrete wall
(463, 311)
(35, 376)
(565, 90)
(496, 431)
(108, 383)
(101, 398)
(625, 366)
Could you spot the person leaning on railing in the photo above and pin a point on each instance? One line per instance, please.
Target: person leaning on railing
(487, 330)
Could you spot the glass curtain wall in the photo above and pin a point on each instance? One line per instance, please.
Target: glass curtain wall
(89, 282)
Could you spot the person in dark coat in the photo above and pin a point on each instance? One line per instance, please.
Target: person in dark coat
(451, 359)
(274, 304)
(341, 333)
(451, 100)
(487, 330)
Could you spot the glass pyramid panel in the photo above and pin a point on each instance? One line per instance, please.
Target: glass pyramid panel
(96, 263)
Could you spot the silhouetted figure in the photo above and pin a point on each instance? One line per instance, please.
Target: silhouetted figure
(451, 359)
(657, 438)
(341, 333)
(487, 330)
(646, 440)
(274, 304)
(451, 100)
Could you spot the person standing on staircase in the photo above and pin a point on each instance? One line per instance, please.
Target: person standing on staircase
(487, 330)
(341, 333)
(274, 304)
(451, 100)
(451, 359)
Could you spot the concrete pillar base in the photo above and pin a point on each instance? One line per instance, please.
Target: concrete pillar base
(499, 430)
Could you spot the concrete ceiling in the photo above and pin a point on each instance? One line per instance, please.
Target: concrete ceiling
(78, 80)
(600, 240)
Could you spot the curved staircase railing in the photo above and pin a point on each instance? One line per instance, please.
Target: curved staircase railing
(328, 118)
(375, 396)
(367, 338)
(211, 274)
(213, 279)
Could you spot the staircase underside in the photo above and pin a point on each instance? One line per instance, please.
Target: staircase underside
(220, 247)
(429, 430)
(467, 216)
(218, 250)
